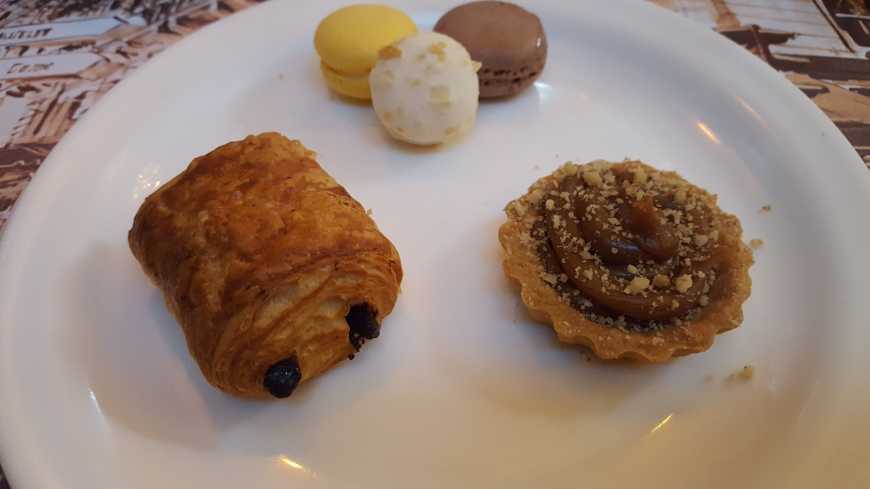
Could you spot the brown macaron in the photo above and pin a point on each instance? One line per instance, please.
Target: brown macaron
(508, 41)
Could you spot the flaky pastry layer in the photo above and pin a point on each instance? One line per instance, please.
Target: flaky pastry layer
(260, 254)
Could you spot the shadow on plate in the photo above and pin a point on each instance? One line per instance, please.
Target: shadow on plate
(140, 373)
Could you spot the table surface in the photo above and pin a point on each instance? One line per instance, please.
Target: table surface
(58, 57)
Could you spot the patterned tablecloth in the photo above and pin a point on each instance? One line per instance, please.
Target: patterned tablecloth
(58, 57)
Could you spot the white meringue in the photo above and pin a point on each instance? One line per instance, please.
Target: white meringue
(425, 89)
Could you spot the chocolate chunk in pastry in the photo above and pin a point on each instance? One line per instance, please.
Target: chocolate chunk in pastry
(274, 272)
(363, 323)
(282, 378)
(627, 260)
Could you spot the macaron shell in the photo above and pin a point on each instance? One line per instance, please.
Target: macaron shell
(348, 85)
(348, 40)
(506, 39)
(495, 82)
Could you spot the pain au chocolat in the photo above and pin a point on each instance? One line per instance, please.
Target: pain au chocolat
(274, 272)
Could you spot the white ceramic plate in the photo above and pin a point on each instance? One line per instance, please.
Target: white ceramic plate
(461, 390)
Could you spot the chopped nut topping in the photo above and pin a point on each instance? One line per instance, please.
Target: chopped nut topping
(661, 280)
(745, 374)
(683, 283)
(640, 176)
(629, 231)
(637, 285)
(390, 52)
(438, 50)
(592, 178)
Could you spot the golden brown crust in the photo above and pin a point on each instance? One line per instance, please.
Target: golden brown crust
(523, 265)
(259, 254)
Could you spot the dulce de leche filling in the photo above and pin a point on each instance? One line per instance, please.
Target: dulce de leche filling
(630, 246)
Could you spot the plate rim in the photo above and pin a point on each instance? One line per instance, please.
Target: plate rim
(20, 470)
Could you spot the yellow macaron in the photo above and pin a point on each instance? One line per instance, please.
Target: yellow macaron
(348, 41)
